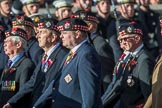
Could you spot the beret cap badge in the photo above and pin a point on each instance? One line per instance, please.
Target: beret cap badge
(48, 24)
(82, 15)
(129, 29)
(20, 19)
(36, 19)
(67, 25)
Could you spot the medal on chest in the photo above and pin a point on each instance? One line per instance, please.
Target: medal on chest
(130, 81)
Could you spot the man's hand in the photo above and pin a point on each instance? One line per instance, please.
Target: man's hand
(7, 105)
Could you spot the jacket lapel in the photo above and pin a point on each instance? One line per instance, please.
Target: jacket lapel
(17, 64)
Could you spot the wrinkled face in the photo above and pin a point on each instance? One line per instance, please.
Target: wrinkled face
(63, 12)
(104, 6)
(68, 39)
(127, 10)
(5, 6)
(128, 43)
(9, 46)
(45, 38)
(32, 8)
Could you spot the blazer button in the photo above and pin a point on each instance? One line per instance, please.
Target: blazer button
(53, 88)
(53, 100)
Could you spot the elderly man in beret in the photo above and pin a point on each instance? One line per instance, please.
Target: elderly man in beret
(47, 68)
(79, 84)
(154, 99)
(63, 8)
(19, 68)
(133, 85)
(30, 6)
(33, 50)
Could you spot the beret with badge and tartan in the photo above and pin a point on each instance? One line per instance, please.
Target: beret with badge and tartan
(26, 2)
(62, 3)
(22, 21)
(16, 32)
(132, 27)
(86, 16)
(72, 24)
(48, 23)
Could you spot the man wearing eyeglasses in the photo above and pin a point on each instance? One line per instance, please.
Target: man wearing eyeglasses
(134, 83)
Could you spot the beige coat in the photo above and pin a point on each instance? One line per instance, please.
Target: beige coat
(154, 100)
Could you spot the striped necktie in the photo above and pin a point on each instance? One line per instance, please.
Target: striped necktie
(9, 63)
(70, 55)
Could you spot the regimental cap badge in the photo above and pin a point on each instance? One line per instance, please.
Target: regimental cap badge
(48, 24)
(129, 29)
(20, 20)
(67, 25)
(36, 19)
(82, 15)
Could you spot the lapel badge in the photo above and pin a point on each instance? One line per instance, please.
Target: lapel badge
(67, 25)
(48, 24)
(129, 29)
(68, 78)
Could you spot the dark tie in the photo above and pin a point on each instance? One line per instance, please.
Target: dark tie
(9, 63)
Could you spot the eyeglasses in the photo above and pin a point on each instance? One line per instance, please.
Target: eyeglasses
(125, 39)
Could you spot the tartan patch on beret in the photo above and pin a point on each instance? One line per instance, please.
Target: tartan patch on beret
(16, 32)
(130, 28)
(22, 20)
(72, 24)
(48, 23)
(87, 16)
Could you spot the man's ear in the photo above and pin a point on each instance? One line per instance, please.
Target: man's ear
(54, 37)
(77, 34)
(19, 44)
(137, 38)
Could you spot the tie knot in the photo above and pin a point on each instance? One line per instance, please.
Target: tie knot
(9, 63)
(44, 58)
(70, 52)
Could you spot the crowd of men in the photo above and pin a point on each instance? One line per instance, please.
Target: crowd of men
(75, 58)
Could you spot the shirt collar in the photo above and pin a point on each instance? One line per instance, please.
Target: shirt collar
(16, 58)
(49, 52)
(76, 47)
(137, 50)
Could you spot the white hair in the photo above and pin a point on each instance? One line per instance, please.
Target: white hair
(17, 39)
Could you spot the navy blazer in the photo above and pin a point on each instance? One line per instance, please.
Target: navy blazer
(30, 87)
(80, 83)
